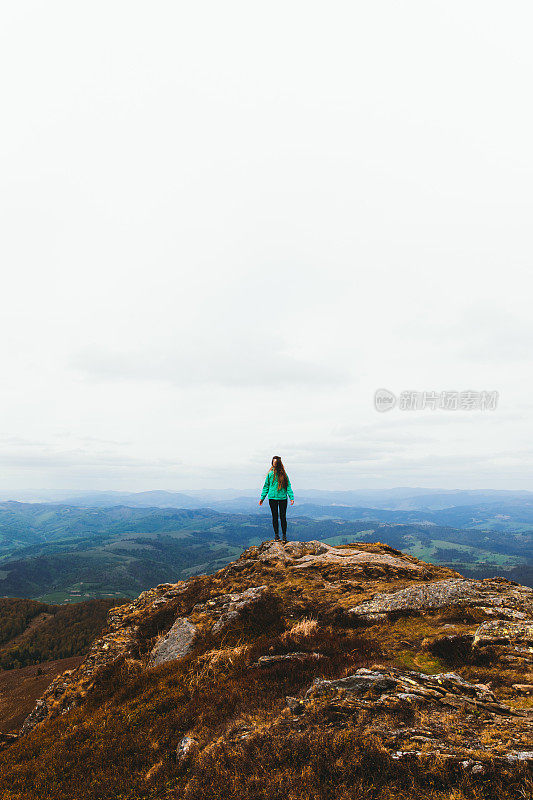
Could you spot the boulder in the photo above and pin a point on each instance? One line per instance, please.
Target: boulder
(230, 607)
(184, 748)
(500, 631)
(177, 643)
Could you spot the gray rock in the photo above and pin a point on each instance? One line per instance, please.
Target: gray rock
(319, 555)
(450, 592)
(184, 747)
(177, 643)
(295, 705)
(502, 632)
(520, 755)
(265, 661)
(393, 685)
(359, 683)
(474, 767)
(232, 605)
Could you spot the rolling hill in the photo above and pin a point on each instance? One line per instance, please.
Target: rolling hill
(59, 553)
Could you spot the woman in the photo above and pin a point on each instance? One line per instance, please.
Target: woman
(278, 486)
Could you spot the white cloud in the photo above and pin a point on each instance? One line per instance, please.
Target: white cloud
(238, 364)
(222, 234)
(59, 459)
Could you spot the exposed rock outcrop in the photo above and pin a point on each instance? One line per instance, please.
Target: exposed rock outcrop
(230, 607)
(443, 699)
(318, 555)
(177, 643)
(71, 686)
(124, 637)
(496, 596)
(283, 658)
(390, 687)
(119, 641)
(501, 632)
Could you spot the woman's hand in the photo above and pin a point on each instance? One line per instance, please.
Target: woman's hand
(292, 502)
(260, 502)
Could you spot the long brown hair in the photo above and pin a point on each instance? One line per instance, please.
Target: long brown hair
(279, 472)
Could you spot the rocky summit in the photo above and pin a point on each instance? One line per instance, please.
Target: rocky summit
(296, 671)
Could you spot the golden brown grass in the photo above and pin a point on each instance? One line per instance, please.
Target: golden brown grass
(300, 630)
(214, 663)
(127, 734)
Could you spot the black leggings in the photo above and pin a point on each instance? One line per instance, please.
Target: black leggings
(282, 506)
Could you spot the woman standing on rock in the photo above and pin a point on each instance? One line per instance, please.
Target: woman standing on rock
(278, 487)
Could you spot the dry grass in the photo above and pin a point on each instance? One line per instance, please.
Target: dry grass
(325, 764)
(205, 695)
(121, 745)
(127, 734)
(214, 663)
(20, 688)
(300, 630)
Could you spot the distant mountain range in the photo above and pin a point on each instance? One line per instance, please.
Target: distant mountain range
(399, 499)
(498, 510)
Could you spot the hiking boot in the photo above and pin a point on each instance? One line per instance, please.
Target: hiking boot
(276, 538)
(284, 540)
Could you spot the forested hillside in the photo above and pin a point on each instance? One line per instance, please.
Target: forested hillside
(33, 632)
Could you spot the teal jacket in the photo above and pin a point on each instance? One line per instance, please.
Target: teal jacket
(271, 488)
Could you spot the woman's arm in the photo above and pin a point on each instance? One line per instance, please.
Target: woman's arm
(265, 488)
(289, 491)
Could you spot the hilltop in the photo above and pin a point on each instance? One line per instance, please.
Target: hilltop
(296, 672)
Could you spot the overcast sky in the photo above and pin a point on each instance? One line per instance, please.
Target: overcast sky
(225, 225)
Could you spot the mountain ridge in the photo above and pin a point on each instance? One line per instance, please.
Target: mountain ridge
(364, 658)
